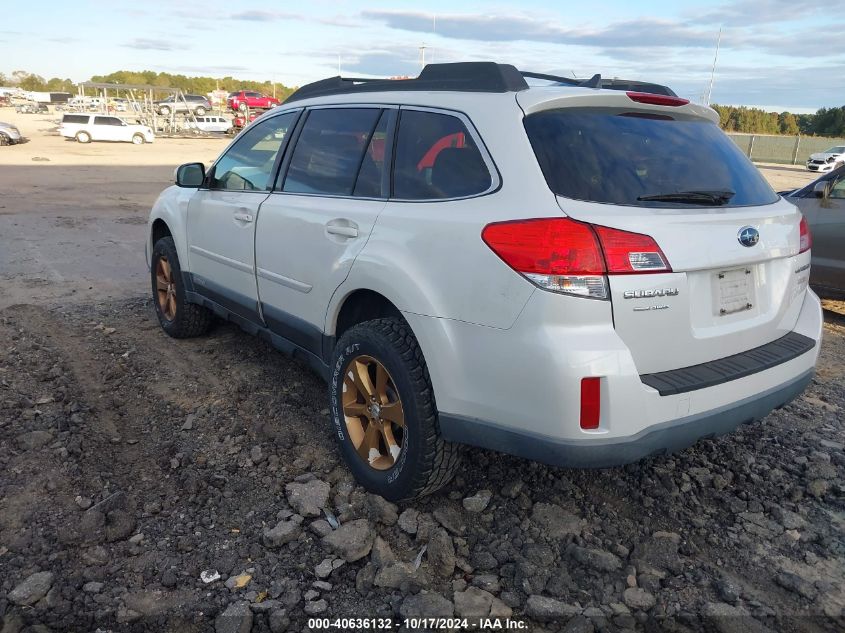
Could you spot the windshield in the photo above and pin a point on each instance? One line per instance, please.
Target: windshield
(643, 159)
(839, 149)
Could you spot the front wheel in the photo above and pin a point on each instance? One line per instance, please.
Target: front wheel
(384, 413)
(200, 111)
(177, 317)
(164, 111)
(138, 139)
(242, 107)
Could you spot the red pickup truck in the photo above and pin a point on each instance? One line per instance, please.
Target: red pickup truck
(248, 99)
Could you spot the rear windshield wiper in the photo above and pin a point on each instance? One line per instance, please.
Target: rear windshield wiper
(715, 198)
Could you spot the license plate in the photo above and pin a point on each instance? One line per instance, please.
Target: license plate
(735, 290)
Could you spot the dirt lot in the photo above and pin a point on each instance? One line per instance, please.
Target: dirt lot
(132, 464)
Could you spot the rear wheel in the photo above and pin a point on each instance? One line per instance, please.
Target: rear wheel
(164, 111)
(83, 137)
(5, 140)
(200, 111)
(384, 412)
(138, 139)
(176, 316)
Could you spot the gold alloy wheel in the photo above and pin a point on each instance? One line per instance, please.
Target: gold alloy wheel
(375, 419)
(166, 288)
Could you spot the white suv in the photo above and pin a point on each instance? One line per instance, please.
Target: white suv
(100, 127)
(572, 274)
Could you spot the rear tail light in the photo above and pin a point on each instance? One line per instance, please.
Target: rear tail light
(664, 100)
(590, 403)
(806, 239)
(563, 255)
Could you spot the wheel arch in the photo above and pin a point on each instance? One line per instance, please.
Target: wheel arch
(169, 217)
(359, 305)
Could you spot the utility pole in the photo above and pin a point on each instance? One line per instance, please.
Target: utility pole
(338, 65)
(433, 33)
(713, 71)
(422, 55)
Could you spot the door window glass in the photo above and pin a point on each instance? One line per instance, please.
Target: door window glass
(107, 120)
(838, 189)
(330, 151)
(248, 164)
(436, 158)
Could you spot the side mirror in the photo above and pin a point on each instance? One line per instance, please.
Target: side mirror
(190, 175)
(821, 189)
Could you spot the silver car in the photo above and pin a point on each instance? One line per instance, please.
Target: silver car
(9, 134)
(823, 204)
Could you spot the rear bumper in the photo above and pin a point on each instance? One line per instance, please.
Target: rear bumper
(660, 439)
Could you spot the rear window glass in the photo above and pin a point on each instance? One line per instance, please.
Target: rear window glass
(620, 157)
(436, 158)
(75, 118)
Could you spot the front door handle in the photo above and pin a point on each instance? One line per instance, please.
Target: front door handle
(343, 231)
(244, 217)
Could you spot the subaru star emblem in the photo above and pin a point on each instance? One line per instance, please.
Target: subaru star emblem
(748, 236)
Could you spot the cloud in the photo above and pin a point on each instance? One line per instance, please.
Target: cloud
(744, 12)
(264, 16)
(150, 44)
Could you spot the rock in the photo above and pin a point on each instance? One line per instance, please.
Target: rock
(658, 554)
(579, 624)
(488, 582)
(317, 607)
(426, 605)
(256, 456)
(32, 589)
(33, 440)
(478, 502)
(818, 487)
(352, 541)
(556, 522)
(11, 623)
(381, 554)
(477, 603)
(393, 575)
(408, 521)
(790, 520)
(233, 583)
(727, 591)
(728, 619)
(278, 621)
(638, 598)
(320, 527)
(451, 518)
(380, 510)
(512, 489)
(283, 532)
(796, 584)
(441, 552)
(119, 525)
(83, 503)
(237, 618)
(543, 608)
(92, 587)
(597, 559)
(325, 568)
(308, 498)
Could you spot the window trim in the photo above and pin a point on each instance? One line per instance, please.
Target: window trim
(274, 172)
(492, 168)
(393, 118)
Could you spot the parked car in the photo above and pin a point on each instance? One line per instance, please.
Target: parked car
(197, 104)
(248, 99)
(827, 160)
(9, 134)
(210, 124)
(97, 127)
(823, 204)
(575, 275)
(32, 108)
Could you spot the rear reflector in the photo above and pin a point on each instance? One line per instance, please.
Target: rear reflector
(590, 402)
(806, 236)
(564, 255)
(664, 100)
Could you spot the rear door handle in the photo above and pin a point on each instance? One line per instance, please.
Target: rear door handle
(344, 231)
(244, 217)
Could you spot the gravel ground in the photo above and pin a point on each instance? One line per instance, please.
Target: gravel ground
(137, 468)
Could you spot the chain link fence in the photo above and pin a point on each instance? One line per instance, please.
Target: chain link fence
(787, 150)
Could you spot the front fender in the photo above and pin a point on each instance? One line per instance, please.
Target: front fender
(171, 207)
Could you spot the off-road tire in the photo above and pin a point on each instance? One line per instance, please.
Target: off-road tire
(83, 137)
(190, 319)
(427, 462)
(138, 139)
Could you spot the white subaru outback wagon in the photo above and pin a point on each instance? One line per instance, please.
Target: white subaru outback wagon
(584, 275)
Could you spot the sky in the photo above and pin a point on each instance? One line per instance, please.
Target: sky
(775, 54)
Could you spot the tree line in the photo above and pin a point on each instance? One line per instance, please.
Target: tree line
(825, 122)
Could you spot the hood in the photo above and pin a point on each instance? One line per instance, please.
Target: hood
(825, 155)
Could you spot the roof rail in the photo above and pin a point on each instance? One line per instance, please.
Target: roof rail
(465, 77)
(460, 76)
